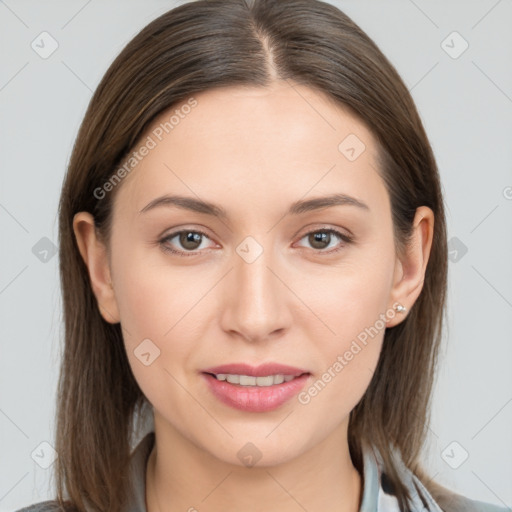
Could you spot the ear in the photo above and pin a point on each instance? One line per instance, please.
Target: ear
(410, 268)
(95, 256)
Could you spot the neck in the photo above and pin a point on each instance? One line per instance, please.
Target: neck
(184, 477)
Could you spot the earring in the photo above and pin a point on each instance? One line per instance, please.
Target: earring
(400, 308)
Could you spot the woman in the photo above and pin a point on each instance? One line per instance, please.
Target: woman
(253, 257)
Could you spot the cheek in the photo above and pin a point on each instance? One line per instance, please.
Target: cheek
(348, 357)
(151, 306)
(348, 298)
(351, 309)
(358, 324)
(151, 297)
(157, 303)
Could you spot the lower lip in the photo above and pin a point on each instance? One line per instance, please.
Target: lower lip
(255, 398)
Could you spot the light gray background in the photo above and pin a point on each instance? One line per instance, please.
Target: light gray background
(466, 105)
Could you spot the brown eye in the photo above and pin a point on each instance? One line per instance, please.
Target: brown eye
(320, 239)
(326, 239)
(188, 241)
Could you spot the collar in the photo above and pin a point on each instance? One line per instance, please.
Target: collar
(377, 494)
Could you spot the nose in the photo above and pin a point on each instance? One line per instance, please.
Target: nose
(256, 301)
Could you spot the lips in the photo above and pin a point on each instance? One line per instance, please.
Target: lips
(256, 371)
(253, 398)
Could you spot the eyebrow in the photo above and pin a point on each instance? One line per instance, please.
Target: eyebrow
(301, 206)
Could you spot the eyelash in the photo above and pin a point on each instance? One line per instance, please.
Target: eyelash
(345, 238)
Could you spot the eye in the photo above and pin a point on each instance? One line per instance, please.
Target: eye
(189, 239)
(321, 239)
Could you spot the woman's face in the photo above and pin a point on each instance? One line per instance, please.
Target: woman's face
(267, 282)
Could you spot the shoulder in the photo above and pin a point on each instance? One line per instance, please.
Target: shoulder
(433, 496)
(459, 503)
(138, 469)
(45, 506)
(450, 501)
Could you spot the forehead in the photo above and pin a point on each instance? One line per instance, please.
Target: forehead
(248, 143)
(294, 111)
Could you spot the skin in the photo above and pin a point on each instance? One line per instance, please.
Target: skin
(254, 151)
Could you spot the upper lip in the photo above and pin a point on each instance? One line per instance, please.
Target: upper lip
(256, 371)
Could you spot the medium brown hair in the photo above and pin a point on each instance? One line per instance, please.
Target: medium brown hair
(195, 47)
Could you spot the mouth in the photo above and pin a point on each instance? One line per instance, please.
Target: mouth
(263, 370)
(249, 380)
(255, 389)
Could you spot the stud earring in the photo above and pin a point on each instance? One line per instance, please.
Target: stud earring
(400, 309)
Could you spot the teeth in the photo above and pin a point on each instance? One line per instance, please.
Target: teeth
(247, 380)
(233, 379)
